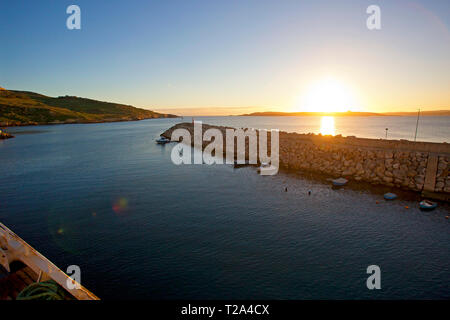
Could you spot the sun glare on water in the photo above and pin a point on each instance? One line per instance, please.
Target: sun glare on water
(327, 126)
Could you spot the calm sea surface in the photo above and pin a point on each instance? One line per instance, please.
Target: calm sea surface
(105, 197)
(432, 129)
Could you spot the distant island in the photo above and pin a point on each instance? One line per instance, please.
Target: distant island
(346, 114)
(19, 108)
(422, 113)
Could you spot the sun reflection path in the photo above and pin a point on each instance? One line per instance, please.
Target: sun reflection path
(327, 126)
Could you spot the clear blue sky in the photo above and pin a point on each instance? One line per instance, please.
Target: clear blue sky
(205, 54)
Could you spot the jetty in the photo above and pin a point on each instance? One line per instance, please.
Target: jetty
(422, 167)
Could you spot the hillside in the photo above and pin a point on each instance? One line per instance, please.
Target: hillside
(29, 108)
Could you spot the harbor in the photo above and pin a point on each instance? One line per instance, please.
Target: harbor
(108, 198)
(422, 167)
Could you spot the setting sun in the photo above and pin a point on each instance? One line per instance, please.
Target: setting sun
(327, 95)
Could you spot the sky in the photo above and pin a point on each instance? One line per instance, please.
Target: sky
(234, 56)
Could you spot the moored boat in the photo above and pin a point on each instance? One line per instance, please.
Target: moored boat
(339, 182)
(390, 196)
(264, 165)
(162, 140)
(427, 205)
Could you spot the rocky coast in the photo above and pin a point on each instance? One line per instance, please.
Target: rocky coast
(5, 135)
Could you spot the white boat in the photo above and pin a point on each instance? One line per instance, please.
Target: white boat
(23, 268)
(162, 140)
(339, 182)
(264, 165)
(427, 205)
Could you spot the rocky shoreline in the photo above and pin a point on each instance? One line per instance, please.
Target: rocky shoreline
(418, 166)
(5, 135)
(25, 124)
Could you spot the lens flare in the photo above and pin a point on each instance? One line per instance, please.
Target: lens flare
(120, 205)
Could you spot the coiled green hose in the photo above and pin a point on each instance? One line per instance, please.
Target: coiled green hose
(46, 290)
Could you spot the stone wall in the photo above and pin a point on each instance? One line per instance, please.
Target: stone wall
(399, 168)
(404, 164)
(443, 175)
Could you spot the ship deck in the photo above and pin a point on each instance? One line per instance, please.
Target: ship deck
(20, 277)
(11, 284)
(28, 266)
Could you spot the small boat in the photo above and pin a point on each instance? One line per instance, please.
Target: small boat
(390, 196)
(339, 182)
(263, 166)
(25, 274)
(427, 205)
(236, 164)
(162, 140)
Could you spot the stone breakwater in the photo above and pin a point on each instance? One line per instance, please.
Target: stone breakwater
(418, 166)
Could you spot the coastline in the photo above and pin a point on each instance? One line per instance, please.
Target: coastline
(7, 125)
(5, 135)
(25, 108)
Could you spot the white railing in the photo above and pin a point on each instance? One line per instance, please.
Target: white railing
(14, 248)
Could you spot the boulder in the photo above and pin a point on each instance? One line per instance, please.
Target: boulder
(388, 155)
(388, 179)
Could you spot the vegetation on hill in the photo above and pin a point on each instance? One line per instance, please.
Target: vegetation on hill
(28, 108)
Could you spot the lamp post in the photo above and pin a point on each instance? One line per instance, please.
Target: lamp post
(417, 125)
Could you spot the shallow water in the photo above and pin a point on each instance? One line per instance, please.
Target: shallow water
(106, 197)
